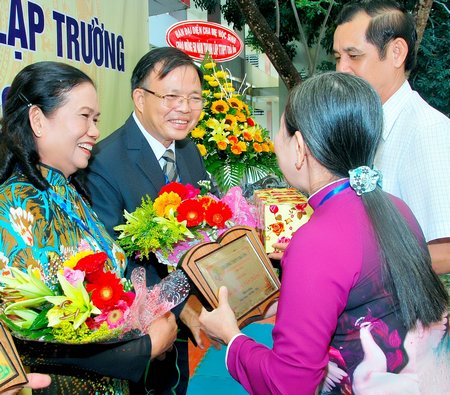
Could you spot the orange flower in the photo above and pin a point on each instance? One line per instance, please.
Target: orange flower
(222, 145)
(248, 136)
(265, 147)
(235, 149)
(277, 228)
(217, 214)
(257, 147)
(232, 139)
(165, 202)
(190, 211)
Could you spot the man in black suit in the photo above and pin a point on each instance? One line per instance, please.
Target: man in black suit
(167, 95)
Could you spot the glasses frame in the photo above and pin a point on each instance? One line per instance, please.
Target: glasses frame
(179, 102)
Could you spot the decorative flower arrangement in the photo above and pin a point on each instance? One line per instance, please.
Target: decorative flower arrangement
(88, 303)
(179, 218)
(234, 147)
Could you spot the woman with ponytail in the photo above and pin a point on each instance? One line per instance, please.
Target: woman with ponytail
(360, 310)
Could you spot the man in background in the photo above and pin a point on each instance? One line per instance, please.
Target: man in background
(150, 150)
(376, 40)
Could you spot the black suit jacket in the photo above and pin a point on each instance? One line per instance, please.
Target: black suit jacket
(122, 171)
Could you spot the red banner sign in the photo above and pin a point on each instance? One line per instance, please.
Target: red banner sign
(196, 38)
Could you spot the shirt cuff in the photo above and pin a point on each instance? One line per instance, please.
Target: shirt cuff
(229, 345)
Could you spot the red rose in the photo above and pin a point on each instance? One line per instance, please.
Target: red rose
(92, 265)
(250, 122)
(273, 208)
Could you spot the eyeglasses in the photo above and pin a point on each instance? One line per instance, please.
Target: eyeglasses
(172, 101)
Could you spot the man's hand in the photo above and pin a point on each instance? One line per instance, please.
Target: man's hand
(220, 323)
(163, 333)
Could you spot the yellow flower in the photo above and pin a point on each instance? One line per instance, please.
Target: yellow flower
(73, 260)
(221, 74)
(206, 92)
(202, 149)
(271, 146)
(245, 109)
(209, 65)
(213, 83)
(229, 89)
(208, 77)
(230, 120)
(166, 202)
(202, 115)
(235, 102)
(198, 132)
(241, 117)
(219, 106)
(257, 137)
(219, 95)
(242, 146)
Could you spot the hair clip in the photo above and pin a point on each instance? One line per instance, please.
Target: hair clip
(25, 100)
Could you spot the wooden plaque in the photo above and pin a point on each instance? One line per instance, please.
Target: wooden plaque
(238, 261)
(12, 373)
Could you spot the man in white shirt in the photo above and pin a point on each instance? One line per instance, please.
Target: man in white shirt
(375, 40)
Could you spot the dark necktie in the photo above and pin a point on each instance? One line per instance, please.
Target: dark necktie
(170, 167)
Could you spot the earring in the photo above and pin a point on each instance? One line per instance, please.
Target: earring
(38, 133)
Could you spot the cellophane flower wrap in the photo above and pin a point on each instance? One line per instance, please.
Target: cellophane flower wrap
(86, 302)
(234, 146)
(181, 217)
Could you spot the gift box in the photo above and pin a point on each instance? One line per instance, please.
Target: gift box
(280, 211)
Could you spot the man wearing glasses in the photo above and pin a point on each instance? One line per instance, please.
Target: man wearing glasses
(147, 152)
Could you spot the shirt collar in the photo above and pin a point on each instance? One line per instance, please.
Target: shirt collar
(394, 106)
(157, 147)
(315, 199)
(52, 175)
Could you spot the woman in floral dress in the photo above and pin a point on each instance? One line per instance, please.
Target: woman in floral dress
(48, 131)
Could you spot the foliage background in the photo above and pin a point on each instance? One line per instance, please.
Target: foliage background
(430, 77)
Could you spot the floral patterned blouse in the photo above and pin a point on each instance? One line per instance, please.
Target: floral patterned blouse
(38, 226)
(43, 229)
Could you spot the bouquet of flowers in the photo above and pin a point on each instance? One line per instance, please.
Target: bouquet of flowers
(233, 145)
(179, 218)
(87, 303)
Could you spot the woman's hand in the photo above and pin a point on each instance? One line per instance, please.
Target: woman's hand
(220, 324)
(35, 381)
(163, 333)
(189, 315)
(279, 249)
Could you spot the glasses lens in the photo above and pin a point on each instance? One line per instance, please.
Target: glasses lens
(196, 103)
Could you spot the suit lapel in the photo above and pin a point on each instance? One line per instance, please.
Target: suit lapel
(145, 158)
